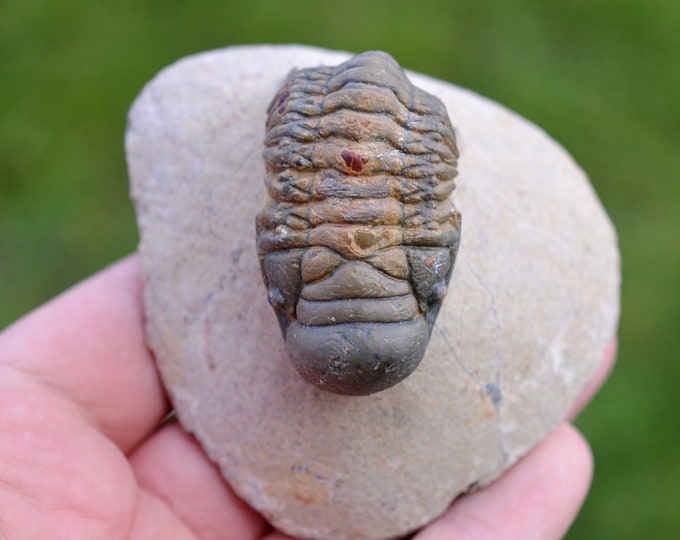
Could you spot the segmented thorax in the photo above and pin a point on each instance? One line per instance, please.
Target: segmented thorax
(358, 237)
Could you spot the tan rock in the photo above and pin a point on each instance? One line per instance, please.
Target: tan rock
(533, 300)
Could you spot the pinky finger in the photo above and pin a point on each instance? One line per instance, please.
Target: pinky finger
(538, 498)
(172, 467)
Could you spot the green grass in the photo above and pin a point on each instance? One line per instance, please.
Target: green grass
(603, 77)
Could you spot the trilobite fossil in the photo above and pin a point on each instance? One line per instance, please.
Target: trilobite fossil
(358, 237)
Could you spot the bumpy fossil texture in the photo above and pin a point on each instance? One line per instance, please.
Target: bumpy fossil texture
(358, 238)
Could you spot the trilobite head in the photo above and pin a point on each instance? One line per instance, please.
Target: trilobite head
(358, 238)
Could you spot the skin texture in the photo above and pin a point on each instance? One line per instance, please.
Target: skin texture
(83, 453)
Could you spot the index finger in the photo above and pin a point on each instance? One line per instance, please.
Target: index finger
(88, 345)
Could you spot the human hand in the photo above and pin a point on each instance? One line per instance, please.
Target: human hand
(83, 454)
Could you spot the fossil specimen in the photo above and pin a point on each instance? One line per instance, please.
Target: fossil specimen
(358, 237)
(521, 332)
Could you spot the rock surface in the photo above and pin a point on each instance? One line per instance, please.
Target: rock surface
(533, 299)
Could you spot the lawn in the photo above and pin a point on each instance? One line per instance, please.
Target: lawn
(602, 77)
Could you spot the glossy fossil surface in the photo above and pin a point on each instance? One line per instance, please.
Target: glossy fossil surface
(358, 238)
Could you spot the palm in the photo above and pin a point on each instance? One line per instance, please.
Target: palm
(82, 453)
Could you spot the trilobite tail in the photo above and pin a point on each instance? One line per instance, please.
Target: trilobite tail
(357, 358)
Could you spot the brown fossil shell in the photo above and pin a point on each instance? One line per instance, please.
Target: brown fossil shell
(358, 237)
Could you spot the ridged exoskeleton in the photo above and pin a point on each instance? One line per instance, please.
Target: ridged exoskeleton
(358, 237)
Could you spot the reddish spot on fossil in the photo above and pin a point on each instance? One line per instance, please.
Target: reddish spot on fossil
(353, 161)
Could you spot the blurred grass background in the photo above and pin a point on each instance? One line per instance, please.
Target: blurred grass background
(602, 77)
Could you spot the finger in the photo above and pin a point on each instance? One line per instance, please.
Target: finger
(58, 475)
(275, 535)
(173, 467)
(537, 498)
(155, 520)
(597, 381)
(88, 345)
